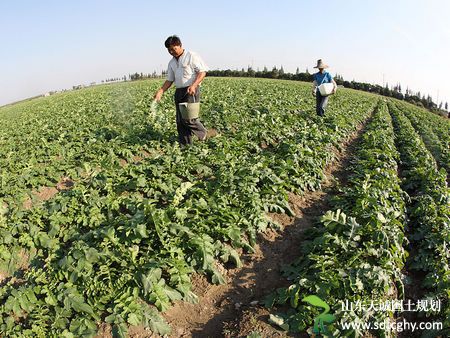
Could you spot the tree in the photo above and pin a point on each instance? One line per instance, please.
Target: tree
(274, 74)
(250, 71)
(297, 71)
(446, 106)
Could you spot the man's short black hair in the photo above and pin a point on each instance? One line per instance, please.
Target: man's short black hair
(172, 41)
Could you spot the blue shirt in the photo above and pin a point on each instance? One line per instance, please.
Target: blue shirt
(324, 77)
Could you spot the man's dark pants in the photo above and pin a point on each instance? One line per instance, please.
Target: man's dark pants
(188, 128)
(321, 103)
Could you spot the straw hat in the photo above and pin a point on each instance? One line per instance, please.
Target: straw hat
(321, 64)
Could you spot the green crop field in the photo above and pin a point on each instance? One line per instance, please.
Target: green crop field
(104, 218)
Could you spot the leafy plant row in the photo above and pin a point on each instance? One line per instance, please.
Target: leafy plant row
(144, 214)
(428, 211)
(357, 254)
(434, 131)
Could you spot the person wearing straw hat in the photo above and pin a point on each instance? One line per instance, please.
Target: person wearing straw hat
(187, 70)
(321, 77)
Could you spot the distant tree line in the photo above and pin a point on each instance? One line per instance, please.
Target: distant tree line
(394, 91)
(134, 77)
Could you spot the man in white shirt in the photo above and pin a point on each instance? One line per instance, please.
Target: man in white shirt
(187, 70)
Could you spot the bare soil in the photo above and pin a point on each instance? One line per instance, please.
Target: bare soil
(211, 133)
(21, 263)
(46, 193)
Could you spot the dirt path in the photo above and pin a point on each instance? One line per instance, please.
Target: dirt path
(233, 309)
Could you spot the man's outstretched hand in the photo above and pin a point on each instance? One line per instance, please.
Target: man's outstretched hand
(158, 95)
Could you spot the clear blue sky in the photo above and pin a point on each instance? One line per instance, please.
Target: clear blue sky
(50, 45)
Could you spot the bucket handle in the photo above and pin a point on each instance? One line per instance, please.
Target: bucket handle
(193, 96)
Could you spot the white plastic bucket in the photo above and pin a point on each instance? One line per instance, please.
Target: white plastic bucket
(326, 89)
(189, 111)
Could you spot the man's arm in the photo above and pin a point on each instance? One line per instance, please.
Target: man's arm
(335, 85)
(166, 85)
(314, 88)
(192, 88)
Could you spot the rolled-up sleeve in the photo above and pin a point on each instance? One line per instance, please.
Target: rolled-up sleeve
(170, 74)
(198, 64)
